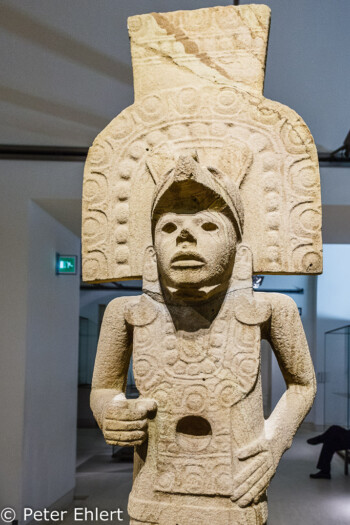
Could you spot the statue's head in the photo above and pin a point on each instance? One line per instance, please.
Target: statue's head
(197, 222)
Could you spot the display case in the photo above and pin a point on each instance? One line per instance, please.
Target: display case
(337, 377)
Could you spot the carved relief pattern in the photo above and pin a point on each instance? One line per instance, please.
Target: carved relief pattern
(285, 163)
(196, 377)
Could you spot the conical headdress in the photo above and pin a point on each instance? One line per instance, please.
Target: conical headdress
(190, 188)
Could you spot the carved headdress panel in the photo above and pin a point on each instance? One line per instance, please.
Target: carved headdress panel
(198, 79)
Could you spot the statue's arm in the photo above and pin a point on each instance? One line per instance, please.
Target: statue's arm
(285, 333)
(112, 359)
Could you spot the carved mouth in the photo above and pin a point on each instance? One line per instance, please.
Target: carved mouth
(187, 260)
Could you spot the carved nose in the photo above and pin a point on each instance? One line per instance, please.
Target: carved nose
(186, 236)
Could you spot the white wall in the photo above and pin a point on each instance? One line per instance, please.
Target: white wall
(51, 364)
(333, 305)
(13, 311)
(335, 188)
(30, 335)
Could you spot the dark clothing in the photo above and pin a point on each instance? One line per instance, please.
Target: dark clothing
(335, 438)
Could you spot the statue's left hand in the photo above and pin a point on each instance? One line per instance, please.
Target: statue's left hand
(256, 472)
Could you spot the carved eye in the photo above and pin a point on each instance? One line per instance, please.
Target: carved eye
(169, 227)
(209, 226)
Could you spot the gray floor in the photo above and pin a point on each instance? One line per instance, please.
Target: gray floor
(294, 498)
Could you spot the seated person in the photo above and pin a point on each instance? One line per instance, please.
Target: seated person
(335, 438)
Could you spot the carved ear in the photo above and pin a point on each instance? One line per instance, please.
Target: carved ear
(251, 312)
(243, 267)
(160, 162)
(235, 160)
(248, 309)
(150, 271)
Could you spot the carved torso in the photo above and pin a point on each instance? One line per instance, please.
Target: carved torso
(199, 379)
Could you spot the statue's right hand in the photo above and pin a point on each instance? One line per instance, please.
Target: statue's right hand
(125, 421)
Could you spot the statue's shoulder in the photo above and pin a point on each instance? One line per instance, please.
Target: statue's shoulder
(285, 323)
(117, 307)
(281, 305)
(120, 303)
(265, 309)
(141, 311)
(262, 307)
(277, 300)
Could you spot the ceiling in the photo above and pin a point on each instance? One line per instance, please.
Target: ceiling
(66, 68)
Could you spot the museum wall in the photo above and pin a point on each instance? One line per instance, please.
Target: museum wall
(333, 309)
(39, 334)
(51, 364)
(335, 190)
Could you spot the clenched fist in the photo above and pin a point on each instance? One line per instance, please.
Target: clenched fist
(125, 421)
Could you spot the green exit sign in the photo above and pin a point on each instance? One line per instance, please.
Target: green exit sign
(66, 264)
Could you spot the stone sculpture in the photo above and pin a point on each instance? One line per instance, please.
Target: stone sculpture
(196, 186)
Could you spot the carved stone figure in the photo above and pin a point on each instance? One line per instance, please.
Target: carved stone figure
(212, 182)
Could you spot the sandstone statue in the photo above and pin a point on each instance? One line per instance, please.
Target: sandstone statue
(198, 185)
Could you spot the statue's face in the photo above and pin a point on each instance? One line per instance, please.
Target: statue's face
(195, 250)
